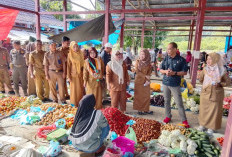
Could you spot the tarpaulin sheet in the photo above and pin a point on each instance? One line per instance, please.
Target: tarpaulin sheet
(93, 29)
(7, 20)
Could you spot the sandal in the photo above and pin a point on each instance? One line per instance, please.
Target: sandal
(149, 112)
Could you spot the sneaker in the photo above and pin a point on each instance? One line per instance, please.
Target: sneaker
(11, 92)
(201, 128)
(149, 112)
(167, 120)
(210, 131)
(186, 124)
(2, 92)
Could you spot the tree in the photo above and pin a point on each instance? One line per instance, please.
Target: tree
(57, 6)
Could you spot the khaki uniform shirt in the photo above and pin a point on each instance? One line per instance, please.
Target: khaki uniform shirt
(65, 51)
(54, 60)
(36, 59)
(4, 57)
(18, 57)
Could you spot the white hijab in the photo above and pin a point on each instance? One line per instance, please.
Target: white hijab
(116, 67)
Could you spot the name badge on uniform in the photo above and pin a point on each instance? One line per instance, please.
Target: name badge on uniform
(59, 60)
(3, 57)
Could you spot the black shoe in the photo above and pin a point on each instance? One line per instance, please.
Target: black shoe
(67, 97)
(11, 92)
(47, 100)
(3, 92)
(141, 113)
(64, 102)
(149, 112)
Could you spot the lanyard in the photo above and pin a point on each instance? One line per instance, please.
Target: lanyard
(93, 66)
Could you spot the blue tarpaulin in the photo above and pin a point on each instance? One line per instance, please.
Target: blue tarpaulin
(93, 42)
(227, 41)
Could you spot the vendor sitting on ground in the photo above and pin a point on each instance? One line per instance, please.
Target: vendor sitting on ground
(90, 127)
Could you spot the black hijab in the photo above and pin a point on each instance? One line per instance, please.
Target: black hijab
(85, 116)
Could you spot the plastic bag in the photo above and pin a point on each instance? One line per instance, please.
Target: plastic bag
(53, 150)
(60, 123)
(35, 109)
(18, 114)
(130, 133)
(113, 136)
(42, 132)
(125, 144)
(185, 93)
(112, 152)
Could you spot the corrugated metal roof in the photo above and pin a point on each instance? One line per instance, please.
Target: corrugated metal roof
(145, 4)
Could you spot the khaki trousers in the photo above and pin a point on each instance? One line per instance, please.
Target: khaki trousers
(5, 78)
(20, 74)
(31, 84)
(118, 99)
(56, 77)
(42, 86)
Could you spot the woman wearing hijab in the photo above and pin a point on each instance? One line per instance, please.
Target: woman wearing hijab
(75, 64)
(117, 79)
(214, 78)
(143, 71)
(90, 127)
(93, 75)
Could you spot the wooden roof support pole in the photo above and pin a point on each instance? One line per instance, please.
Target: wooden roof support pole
(197, 41)
(64, 16)
(122, 27)
(153, 38)
(107, 9)
(37, 16)
(142, 37)
(228, 46)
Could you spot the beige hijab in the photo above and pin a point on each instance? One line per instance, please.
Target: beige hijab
(76, 58)
(146, 61)
(116, 66)
(214, 73)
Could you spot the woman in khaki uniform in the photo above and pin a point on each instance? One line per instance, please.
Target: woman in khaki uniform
(117, 79)
(93, 75)
(143, 71)
(75, 73)
(214, 78)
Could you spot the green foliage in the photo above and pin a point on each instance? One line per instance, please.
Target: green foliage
(57, 6)
(213, 44)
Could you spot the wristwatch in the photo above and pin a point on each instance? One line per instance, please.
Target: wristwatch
(176, 73)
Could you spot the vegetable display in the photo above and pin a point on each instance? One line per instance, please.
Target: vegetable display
(116, 119)
(171, 127)
(205, 146)
(146, 129)
(220, 140)
(8, 104)
(61, 111)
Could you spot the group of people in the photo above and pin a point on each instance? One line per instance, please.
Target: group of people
(92, 74)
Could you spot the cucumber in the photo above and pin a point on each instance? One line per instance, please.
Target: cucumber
(216, 152)
(205, 142)
(196, 152)
(199, 143)
(190, 135)
(206, 146)
(209, 151)
(201, 133)
(194, 138)
(208, 154)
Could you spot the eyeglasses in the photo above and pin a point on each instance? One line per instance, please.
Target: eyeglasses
(118, 54)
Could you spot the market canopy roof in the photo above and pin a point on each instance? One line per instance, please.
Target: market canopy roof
(218, 12)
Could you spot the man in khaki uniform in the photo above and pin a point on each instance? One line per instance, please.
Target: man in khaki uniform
(37, 72)
(55, 71)
(18, 64)
(30, 47)
(65, 50)
(4, 74)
